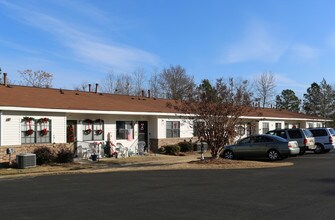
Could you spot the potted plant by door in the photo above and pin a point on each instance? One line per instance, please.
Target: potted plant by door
(94, 157)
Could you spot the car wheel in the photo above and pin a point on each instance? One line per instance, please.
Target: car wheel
(302, 151)
(318, 149)
(228, 154)
(273, 155)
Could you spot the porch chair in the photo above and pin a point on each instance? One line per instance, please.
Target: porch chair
(123, 151)
(140, 147)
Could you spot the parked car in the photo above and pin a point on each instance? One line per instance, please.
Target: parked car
(294, 148)
(262, 146)
(324, 139)
(304, 138)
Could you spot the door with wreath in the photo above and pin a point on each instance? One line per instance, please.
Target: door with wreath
(71, 131)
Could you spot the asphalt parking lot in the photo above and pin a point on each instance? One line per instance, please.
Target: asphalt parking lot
(305, 190)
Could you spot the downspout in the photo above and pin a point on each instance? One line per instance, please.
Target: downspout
(1, 133)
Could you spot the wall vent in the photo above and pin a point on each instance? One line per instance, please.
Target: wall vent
(26, 160)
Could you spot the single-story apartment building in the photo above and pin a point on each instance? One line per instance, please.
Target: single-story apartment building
(31, 117)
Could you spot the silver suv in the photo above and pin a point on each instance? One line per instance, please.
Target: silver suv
(304, 137)
(324, 139)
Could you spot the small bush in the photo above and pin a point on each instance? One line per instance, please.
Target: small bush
(172, 149)
(161, 150)
(195, 146)
(44, 155)
(185, 146)
(65, 156)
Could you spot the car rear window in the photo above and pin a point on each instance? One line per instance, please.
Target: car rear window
(294, 133)
(332, 131)
(278, 133)
(319, 132)
(271, 132)
(308, 133)
(281, 134)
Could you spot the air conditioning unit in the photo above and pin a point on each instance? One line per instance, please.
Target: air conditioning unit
(26, 160)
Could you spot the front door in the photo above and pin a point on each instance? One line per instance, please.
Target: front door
(71, 131)
(143, 132)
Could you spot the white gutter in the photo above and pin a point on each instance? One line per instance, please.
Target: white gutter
(288, 119)
(8, 108)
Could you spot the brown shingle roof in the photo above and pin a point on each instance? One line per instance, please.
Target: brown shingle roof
(32, 97)
(279, 113)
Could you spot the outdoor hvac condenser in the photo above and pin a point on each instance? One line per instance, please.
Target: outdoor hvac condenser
(26, 160)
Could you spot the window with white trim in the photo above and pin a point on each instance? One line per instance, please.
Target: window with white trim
(241, 130)
(198, 127)
(43, 128)
(98, 130)
(35, 131)
(124, 130)
(172, 129)
(265, 127)
(93, 130)
(278, 125)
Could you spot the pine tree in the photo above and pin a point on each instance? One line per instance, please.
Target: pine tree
(288, 100)
(319, 100)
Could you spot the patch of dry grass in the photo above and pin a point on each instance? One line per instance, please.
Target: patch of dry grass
(138, 163)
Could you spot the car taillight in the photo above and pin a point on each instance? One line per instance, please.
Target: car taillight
(289, 145)
(330, 139)
(305, 141)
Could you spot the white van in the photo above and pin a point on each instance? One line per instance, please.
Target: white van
(324, 139)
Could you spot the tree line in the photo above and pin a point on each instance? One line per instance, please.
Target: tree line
(175, 83)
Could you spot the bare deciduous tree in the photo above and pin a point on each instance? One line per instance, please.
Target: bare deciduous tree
(216, 111)
(118, 84)
(265, 88)
(82, 87)
(154, 85)
(38, 78)
(108, 85)
(124, 85)
(139, 79)
(175, 82)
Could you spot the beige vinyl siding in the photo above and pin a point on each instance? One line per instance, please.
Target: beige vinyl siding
(11, 126)
(11, 129)
(58, 130)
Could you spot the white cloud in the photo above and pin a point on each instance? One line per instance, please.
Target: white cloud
(110, 54)
(286, 82)
(87, 48)
(304, 52)
(331, 39)
(8, 44)
(256, 45)
(289, 82)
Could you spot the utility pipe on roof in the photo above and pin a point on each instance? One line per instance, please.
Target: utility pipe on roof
(96, 87)
(89, 87)
(5, 79)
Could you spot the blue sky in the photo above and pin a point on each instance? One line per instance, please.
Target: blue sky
(82, 40)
